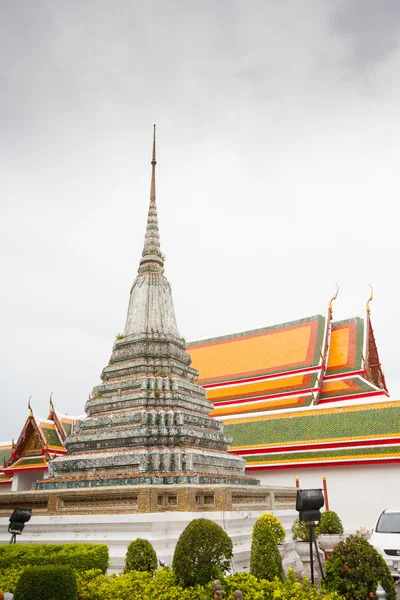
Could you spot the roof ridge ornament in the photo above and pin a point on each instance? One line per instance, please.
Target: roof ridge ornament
(51, 405)
(333, 298)
(30, 407)
(371, 297)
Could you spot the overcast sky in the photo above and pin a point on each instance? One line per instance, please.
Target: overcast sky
(278, 174)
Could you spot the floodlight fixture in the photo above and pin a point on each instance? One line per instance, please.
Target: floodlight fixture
(19, 517)
(308, 505)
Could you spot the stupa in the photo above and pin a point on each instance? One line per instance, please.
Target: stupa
(148, 422)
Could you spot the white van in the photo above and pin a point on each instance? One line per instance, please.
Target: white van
(386, 538)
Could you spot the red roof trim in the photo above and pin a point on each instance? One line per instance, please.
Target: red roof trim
(11, 470)
(318, 446)
(339, 463)
(251, 379)
(347, 375)
(354, 396)
(294, 393)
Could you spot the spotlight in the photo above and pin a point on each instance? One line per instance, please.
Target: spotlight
(308, 505)
(18, 519)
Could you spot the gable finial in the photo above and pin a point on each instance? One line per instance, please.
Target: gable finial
(333, 298)
(371, 297)
(30, 407)
(51, 407)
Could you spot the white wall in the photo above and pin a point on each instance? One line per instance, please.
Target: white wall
(161, 529)
(357, 493)
(23, 480)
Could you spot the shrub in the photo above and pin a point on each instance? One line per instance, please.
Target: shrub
(81, 557)
(275, 525)
(137, 586)
(265, 560)
(203, 553)
(329, 523)
(47, 583)
(9, 578)
(140, 556)
(301, 530)
(355, 568)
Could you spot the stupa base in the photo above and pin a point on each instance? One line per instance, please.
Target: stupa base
(155, 498)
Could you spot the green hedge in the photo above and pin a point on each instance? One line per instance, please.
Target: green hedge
(47, 583)
(139, 586)
(81, 557)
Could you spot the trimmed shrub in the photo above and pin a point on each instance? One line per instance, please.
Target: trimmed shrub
(140, 556)
(301, 530)
(81, 557)
(202, 554)
(47, 583)
(9, 578)
(289, 589)
(329, 523)
(275, 525)
(137, 586)
(354, 569)
(265, 560)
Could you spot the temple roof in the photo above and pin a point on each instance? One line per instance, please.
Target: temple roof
(40, 440)
(5, 453)
(320, 435)
(293, 365)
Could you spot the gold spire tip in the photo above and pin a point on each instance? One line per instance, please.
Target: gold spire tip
(371, 297)
(29, 405)
(154, 162)
(334, 297)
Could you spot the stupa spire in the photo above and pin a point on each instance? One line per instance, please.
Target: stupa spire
(152, 257)
(151, 309)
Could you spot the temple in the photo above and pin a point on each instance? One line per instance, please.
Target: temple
(306, 393)
(40, 441)
(280, 401)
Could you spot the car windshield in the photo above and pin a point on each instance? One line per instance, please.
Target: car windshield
(389, 523)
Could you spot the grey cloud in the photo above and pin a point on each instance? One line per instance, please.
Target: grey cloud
(370, 28)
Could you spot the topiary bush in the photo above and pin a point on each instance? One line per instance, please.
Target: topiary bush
(81, 557)
(47, 583)
(162, 586)
(330, 523)
(275, 525)
(202, 554)
(301, 530)
(265, 560)
(354, 569)
(140, 556)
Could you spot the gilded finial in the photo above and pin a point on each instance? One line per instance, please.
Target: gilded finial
(30, 407)
(371, 297)
(154, 162)
(334, 297)
(51, 407)
(13, 444)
